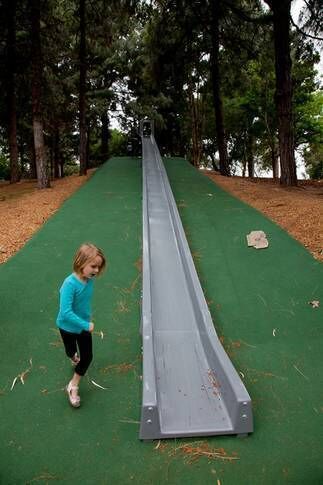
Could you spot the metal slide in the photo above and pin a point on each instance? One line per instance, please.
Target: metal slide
(190, 387)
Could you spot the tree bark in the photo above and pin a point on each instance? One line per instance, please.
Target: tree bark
(195, 127)
(272, 142)
(56, 152)
(105, 135)
(37, 68)
(250, 157)
(82, 93)
(216, 82)
(244, 167)
(11, 91)
(32, 158)
(88, 134)
(284, 95)
(274, 162)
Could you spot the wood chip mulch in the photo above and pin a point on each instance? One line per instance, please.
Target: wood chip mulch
(298, 210)
(24, 208)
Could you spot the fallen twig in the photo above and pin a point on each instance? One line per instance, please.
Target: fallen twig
(118, 368)
(22, 375)
(46, 391)
(13, 383)
(301, 373)
(267, 374)
(98, 385)
(314, 303)
(248, 345)
(99, 334)
(130, 421)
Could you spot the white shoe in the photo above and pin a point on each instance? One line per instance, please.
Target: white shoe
(75, 402)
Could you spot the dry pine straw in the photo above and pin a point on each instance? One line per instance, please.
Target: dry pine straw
(299, 210)
(195, 450)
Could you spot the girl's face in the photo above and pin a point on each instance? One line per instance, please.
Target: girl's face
(92, 268)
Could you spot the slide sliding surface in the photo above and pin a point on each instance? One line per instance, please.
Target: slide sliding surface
(190, 387)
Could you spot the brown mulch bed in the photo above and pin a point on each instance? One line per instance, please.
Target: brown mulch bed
(299, 210)
(24, 208)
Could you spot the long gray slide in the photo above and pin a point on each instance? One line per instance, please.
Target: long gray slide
(190, 387)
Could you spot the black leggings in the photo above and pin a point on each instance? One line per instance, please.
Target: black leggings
(83, 341)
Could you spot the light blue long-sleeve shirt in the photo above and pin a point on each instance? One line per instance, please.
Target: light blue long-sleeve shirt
(75, 305)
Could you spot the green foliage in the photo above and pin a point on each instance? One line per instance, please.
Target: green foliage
(313, 157)
(307, 97)
(153, 59)
(71, 167)
(118, 143)
(311, 127)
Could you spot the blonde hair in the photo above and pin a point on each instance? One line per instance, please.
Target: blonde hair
(85, 254)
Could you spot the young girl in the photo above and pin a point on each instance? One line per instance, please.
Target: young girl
(74, 317)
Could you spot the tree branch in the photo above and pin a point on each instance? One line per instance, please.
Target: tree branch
(310, 8)
(262, 19)
(304, 33)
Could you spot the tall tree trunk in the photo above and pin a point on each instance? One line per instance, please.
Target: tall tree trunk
(196, 127)
(32, 158)
(37, 68)
(56, 152)
(272, 141)
(82, 87)
(11, 91)
(244, 167)
(21, 151)
(216, 82)
(274, 161)
(283, 64)
(88, 134)
(105, 135)
(250, 157)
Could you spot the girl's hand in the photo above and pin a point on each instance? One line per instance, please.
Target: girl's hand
(91, 327)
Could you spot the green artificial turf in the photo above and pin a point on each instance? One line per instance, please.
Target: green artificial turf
(259, 303)
(259, 300)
